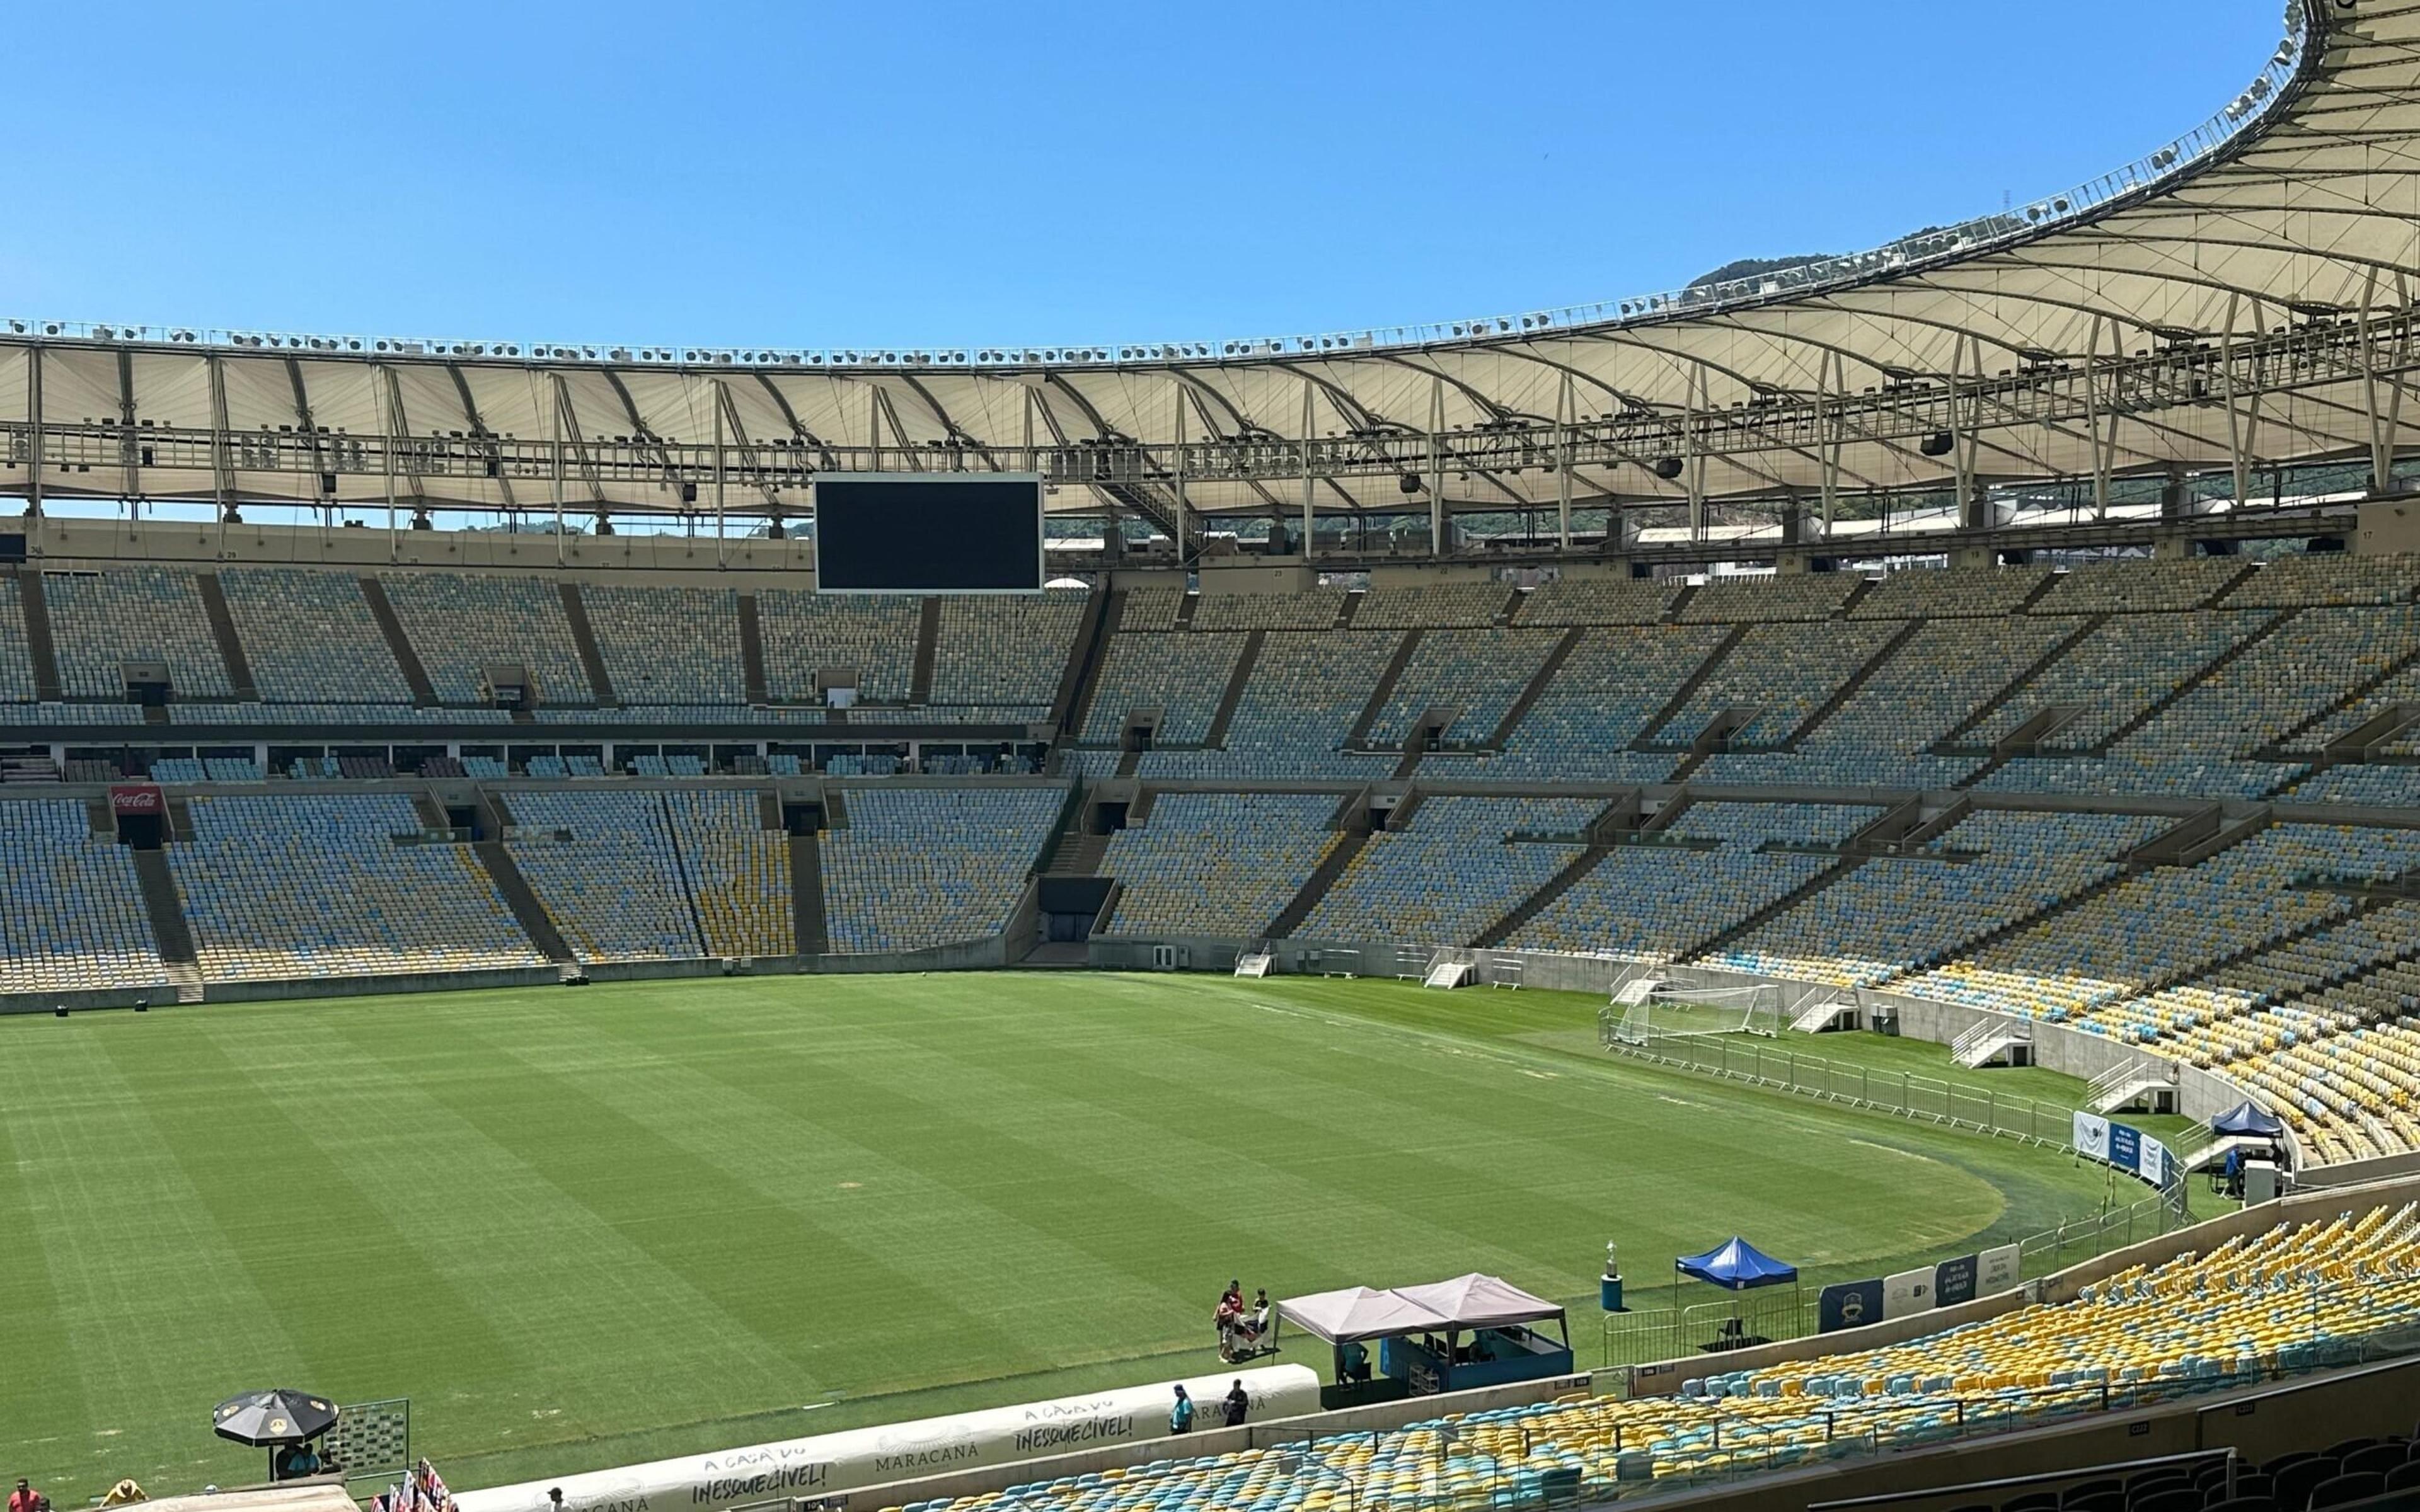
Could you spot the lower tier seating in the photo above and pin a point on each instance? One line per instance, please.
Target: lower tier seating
(2150, 1332)
(74, 919)
(919, 867)
(319, 885)
(1217, 863)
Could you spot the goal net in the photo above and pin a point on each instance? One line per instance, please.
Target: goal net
(1649, 1010)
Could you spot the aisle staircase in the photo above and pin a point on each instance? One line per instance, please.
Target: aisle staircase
(1993, 1039)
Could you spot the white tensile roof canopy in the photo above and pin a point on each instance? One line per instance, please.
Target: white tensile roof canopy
(2239, 298)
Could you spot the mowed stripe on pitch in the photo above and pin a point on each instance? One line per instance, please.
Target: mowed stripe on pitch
(162, 1309)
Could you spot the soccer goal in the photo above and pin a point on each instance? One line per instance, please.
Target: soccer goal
(1653, 1008)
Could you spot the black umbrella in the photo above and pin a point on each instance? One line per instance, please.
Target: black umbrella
(263, 1418)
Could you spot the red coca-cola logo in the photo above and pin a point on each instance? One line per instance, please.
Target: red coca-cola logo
(136, 800)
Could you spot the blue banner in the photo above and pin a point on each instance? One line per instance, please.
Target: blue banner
(1848, 1305)
(1953, 1281)
(2125, 1148)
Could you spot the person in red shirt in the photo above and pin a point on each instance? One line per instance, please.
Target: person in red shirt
(23, 1499)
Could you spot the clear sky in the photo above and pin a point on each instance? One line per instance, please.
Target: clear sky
(903, 172)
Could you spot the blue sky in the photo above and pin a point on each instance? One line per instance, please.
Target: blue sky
(906, 173)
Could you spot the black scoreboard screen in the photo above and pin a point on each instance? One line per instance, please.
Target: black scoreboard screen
(953, 533)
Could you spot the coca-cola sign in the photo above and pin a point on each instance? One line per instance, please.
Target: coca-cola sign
(141, 798)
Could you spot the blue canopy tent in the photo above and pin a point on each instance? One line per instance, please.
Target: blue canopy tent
(1738, 1266)
(2248, 1119)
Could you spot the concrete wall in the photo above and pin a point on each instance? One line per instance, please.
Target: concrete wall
(2387, 528)
(1257, 575)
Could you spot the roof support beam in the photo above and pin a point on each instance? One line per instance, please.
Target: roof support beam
(482, 439)
(34, 426)
(130, 447)
(222, 462)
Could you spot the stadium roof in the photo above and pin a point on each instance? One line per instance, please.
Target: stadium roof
(2239, 298)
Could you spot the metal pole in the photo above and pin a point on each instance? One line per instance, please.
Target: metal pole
(34, 420)
(1306, 472)
(1436, 494)
(1564, 406)
(721, 477)
(555, 482)
(1183, 534)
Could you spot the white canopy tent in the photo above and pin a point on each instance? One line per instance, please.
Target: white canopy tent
(1464, 1302)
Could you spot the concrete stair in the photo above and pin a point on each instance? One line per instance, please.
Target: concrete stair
(239, 666)
(583, 640)
(407, 660)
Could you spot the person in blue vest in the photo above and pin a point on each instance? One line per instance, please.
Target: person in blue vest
(2234, 1171)
(1180, 1417)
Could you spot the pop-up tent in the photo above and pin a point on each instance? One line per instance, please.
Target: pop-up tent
(1736, 1265)
(1472, 1330)
(1358, 1313)
(2248, 1118)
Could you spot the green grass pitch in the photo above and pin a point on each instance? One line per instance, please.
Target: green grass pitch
(579, 1228)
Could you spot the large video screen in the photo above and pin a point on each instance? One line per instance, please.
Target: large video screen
(883, 533)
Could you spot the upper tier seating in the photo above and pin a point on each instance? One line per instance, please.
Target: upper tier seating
(1989, 593)
(2301, 578)
(1305, 693)
(2148, 1332)
(919, 867)
(309, 638)
(2393, 787)
(317, 886)
(1438, 606)
(1180, 674)
(2139, 586)
(1754, 823)
(99, 621)
(1783, 671)
(73, 920)
(461, 623)
(1479, 673)
(1756, 600)
(1452, 873)
(1600, 702)
(668, 645)
(2198, 745)
(16, 661)
(1217, 863)
(2121, 669)
(804, 633)
(1151, 608)
(1004, 648)
(604, 866)
(1314, 609)
(1929, 686)
(1567, 601)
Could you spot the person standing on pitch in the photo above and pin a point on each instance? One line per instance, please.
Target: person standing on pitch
(1239, 1404)
(23, 1499)
(1180, 1417)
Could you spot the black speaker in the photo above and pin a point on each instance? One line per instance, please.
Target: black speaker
(1939, 443)
(328, 484)
(1667, 467)
(689, 493)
